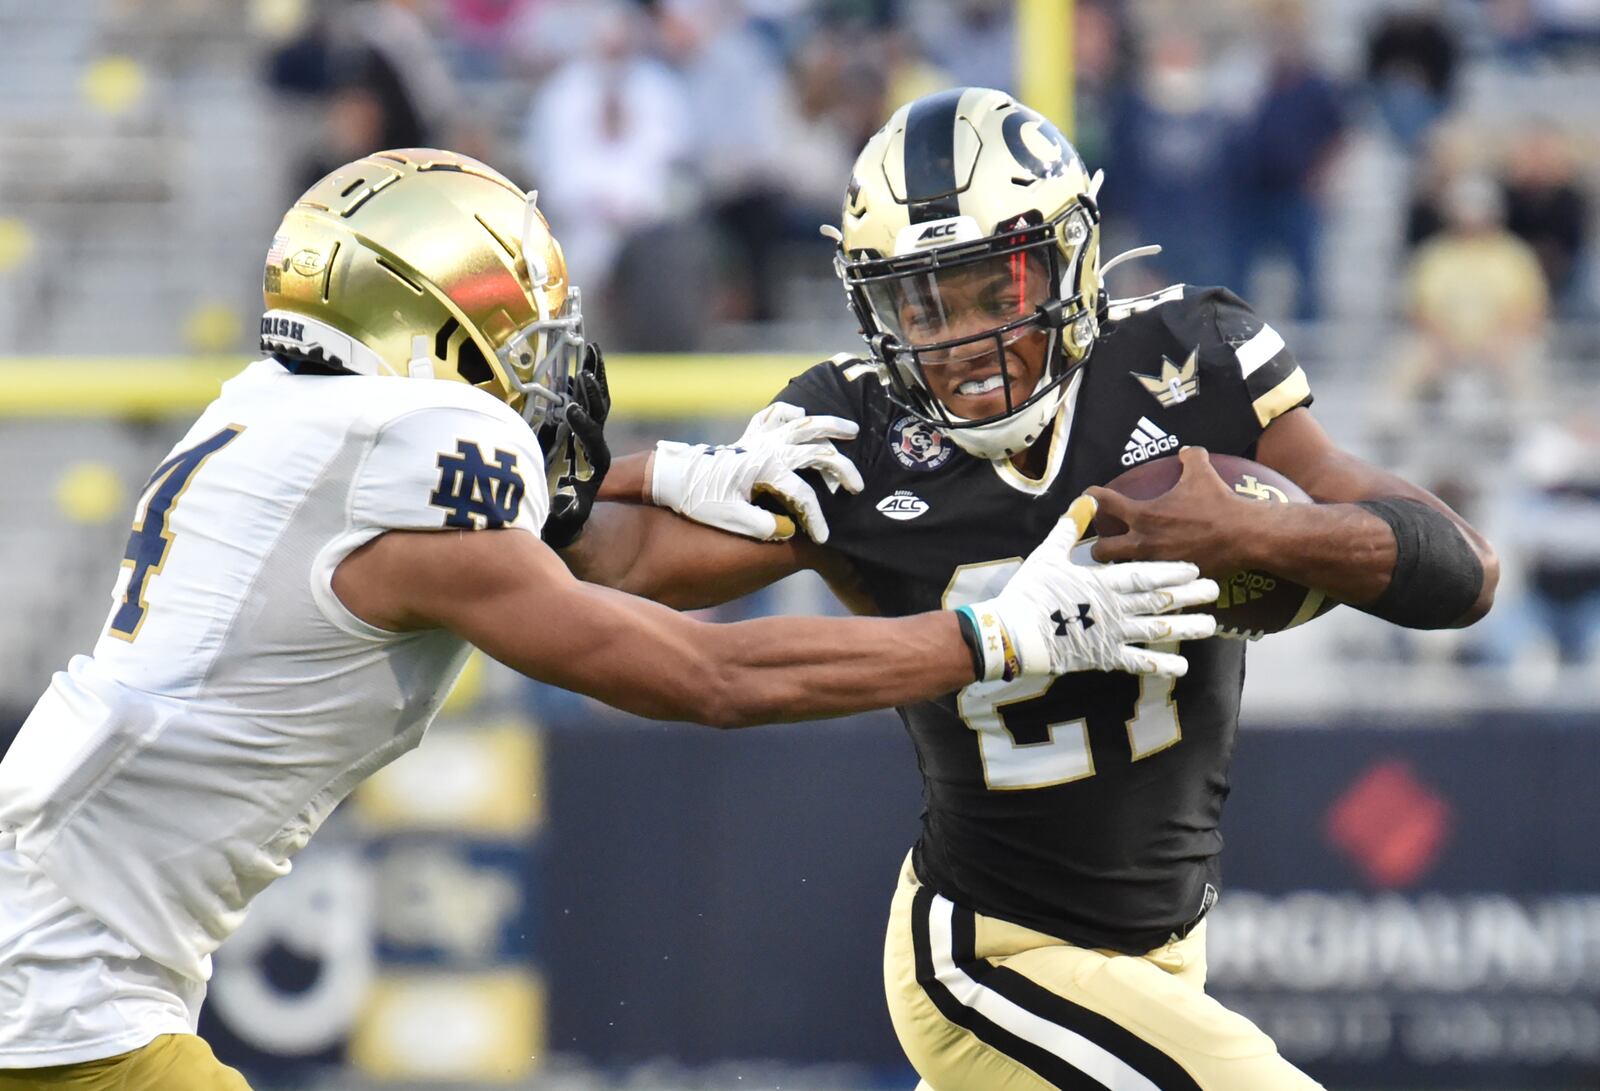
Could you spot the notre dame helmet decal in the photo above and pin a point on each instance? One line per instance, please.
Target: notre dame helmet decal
(428, 264)
(970, 181)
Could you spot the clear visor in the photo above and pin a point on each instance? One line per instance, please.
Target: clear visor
(953, 313)
(542, 357)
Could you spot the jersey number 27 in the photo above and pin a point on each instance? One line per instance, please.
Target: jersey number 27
(999, 711)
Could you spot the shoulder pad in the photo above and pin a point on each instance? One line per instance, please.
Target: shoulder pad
(1232, 337)
(1215, 333)
(850, 387)
(841, 385)
(462, 466)
(387, 397)
(852, 368)
(1223, 328)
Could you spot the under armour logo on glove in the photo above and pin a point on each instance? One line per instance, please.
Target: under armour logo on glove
(1062, 621)
(1117, 608)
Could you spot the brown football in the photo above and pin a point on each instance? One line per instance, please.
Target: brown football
(1253, 603)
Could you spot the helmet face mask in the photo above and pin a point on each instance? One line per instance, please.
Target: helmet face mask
(541, 358)
(970, 250)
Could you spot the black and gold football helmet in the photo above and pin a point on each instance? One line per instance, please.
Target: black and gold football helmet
(960, 182)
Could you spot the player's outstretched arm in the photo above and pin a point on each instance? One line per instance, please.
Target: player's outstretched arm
(629, 479)
(645, 552)
(656, 554)
(719, 485)
(511, 596)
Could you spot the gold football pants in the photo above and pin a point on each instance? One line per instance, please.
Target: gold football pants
(172, 1062)
(980, 1004)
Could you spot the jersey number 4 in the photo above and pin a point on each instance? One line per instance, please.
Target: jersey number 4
(152, 531)
(1019, 748)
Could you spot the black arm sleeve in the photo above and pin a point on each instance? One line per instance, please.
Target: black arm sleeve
(1437, 576)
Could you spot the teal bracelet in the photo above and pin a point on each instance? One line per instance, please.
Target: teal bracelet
(968, 623)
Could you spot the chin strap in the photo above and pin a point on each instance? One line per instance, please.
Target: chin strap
(421, 363)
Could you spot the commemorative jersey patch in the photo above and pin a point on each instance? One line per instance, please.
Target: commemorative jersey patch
(918, 445)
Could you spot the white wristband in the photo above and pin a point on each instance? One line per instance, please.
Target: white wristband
(668, 471)
(1000, 661)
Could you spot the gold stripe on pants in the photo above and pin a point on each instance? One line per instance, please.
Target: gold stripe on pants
(981, 1004)
(171, 1062)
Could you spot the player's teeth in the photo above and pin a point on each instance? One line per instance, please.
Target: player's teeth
(973, 386)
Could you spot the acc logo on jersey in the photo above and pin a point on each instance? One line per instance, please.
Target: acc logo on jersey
(477, 494)
(902, 504)
(918, 445)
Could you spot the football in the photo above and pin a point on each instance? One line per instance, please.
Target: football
(1253, 603)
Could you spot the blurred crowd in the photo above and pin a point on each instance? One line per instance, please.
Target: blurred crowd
(645, 122)
(676, 144)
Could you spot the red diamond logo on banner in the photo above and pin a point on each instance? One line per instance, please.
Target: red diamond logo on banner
(1390, 824)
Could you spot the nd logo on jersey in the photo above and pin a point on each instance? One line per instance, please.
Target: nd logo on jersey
(476, 494)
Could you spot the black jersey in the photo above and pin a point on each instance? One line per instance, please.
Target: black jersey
(1086, 806)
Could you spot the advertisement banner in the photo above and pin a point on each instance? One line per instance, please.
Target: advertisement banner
(1418, 908)
(1404, 906)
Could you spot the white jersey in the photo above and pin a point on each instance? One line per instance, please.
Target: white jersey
(232, 701)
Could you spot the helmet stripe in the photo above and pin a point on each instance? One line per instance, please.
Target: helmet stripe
(931, 157)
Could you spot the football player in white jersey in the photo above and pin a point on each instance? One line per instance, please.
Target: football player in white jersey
(309, 567)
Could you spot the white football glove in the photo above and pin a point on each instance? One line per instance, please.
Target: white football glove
(1056, 616)
(717, 485)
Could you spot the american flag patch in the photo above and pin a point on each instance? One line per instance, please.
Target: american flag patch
(275, 253)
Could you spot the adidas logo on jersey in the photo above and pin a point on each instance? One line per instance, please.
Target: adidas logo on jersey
(1147, 441)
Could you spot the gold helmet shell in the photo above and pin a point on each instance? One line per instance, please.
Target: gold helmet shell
(964, 179)
(428, 264)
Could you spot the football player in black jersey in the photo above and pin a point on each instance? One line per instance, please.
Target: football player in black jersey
(1048, 930)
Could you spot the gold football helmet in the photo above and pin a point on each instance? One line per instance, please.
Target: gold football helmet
(962, 182)
(427, 264)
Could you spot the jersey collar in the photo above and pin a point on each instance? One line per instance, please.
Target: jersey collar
(1058, 447)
